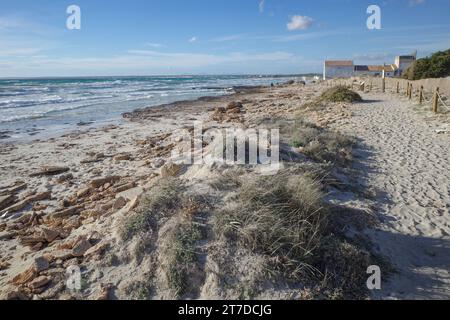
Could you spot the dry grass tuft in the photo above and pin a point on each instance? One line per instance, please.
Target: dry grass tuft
(319, 144)
(159, 201)
(281, 216)
(340, 94)
(180, 256)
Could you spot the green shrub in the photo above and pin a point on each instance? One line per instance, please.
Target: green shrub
(435, 66)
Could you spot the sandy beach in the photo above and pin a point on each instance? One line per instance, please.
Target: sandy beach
(64, 201)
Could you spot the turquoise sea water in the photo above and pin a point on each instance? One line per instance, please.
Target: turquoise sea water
(30, 108)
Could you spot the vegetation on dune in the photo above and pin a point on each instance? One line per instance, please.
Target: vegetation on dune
(160, 200)
(435, 66)
(340, 94)
(278, 215)
(319, 144)
(285, 218)
(181, 256)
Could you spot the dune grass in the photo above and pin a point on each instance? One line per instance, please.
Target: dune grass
(278, 215)
(321, 145)
(159, 201)
(340, 94)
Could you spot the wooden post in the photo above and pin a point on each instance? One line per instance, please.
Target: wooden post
(398, 86)
(410, 91)
(407, 88)
(421, 95)
(383, 85)
(370, 87)
(436, 100)
(363, 87)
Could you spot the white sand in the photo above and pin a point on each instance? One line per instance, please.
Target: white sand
(409, 165)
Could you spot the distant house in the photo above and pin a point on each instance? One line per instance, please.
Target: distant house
(375, 71)
(338, 69)
(346, 68)
(404, 62)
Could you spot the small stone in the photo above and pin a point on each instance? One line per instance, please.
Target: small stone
(25, 276)
(130, 194)
(170, 170)
(49, 171)
(40, 264)
(97, 183)
(50, 235)
(81, 247)
(83, 192)
(119, 203)
(61, 254)
(122, 157)
(39, 282)
(5, 201)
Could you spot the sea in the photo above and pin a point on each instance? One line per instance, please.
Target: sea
(40, 108)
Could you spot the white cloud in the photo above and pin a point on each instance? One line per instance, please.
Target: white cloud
(413, 3)
(262, 4)
(229, 38)
(147, 62)
(193, 39)
(299, 23)
(154, 45)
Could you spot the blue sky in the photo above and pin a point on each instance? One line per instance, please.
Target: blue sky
(147, 37)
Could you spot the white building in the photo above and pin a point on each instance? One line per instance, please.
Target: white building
(338, 69)
(375, 71)
(345, 68)
(404, 62)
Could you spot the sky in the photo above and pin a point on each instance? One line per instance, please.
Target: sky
(168, 37)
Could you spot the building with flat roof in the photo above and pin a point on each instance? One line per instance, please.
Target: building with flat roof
(338, 69)
(346, 68)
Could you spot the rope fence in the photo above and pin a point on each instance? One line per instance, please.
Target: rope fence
(439, 103)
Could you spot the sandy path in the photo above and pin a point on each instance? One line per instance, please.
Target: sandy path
(409, 165)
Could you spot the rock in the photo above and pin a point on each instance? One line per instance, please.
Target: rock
(68, 212)
(133, 203)
(83, 192)
(52, 291)
(100, 182)
(122, 157)
(106, 206)
(39, 282)
(6, 201)
(38, 246)
(17, 295)
(234, 105)
(23, 203)
(31, 241)
(64, 178)
(125, 187)
(104, 293)
(131, 193)
(40, 264)
(61, 254)
(119, 203)
(49, 234)
(97, 249)
(25, 277)
(4, 265)
(50, 171)
(81, 247)
(170, 170)
(16, 187)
